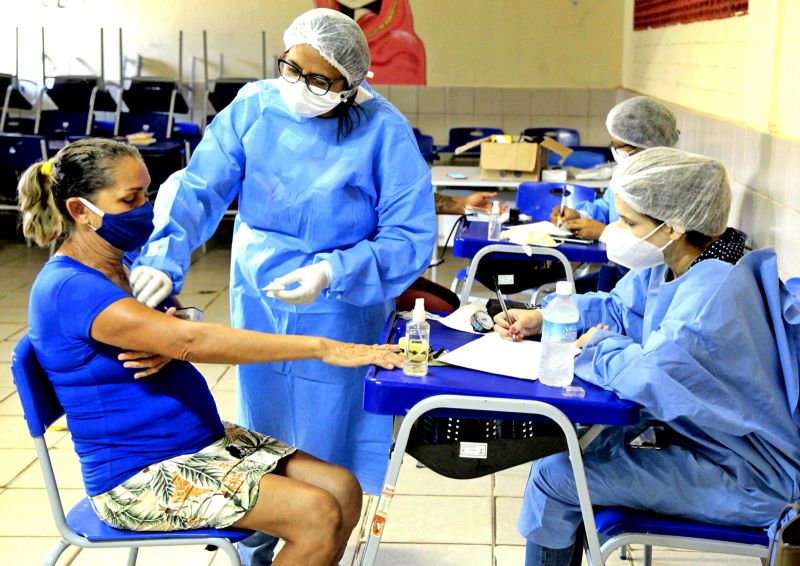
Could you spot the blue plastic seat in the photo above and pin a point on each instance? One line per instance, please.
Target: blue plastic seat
(81, 526)
(538, 199)
(17, 153)
(459, 136)
(587, 156)
(426, 147)
(627, 526)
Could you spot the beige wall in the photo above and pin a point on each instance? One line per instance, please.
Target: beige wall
(474, 43)
(740, 69)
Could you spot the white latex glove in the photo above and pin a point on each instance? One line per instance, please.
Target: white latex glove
(312, 280)
(150, 286)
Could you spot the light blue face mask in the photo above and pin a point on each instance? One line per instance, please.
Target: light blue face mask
(126, 231)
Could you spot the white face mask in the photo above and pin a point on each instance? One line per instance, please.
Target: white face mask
(625, 249)
(303, 102)
(619, 155)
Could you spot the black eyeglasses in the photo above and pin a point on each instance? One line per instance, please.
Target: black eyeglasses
(317, 84)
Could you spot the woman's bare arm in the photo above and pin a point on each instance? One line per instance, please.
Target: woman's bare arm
(130, 325)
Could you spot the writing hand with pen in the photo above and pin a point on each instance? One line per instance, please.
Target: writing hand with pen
(522, 323)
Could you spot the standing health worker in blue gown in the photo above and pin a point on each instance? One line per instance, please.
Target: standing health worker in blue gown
(709, 348)
(336, 216)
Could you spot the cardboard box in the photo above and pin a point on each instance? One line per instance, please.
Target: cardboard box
(507, 157)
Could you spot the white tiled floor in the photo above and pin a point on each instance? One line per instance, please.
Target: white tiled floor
(433, 520)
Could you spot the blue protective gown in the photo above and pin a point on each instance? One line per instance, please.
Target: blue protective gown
(364, 203)
(700, 355)
(601, 209)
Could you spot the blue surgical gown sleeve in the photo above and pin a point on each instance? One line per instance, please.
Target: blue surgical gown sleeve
(191, 203)
(601, 209)
(382, 267)
(704, 353)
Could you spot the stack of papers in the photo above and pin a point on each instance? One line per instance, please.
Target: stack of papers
(536, 234)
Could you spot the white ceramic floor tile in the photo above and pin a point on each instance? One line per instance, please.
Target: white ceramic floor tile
(194, 555)
(228, 380)
(397, 554)
(511, 482)
(14, 433)
(30, 551)
(5, 351)
(226, 404)
(26, 512)
(9, 329)
(13, 462)
(212, 372)
(67, 469)
(509, 555)
(672, 557)
(6, 378)
(10, 406)
(446, 520)
(422, 481)
(506, 515)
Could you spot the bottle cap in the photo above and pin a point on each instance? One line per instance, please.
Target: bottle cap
(564, 288)
(419, 311)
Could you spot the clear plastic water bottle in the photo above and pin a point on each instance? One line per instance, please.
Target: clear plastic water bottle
(559, 333)
(494, 221)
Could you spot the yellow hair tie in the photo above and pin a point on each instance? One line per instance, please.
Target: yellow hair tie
(47, 168)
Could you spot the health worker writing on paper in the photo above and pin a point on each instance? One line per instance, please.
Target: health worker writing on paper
(705, 339)
(336, 218)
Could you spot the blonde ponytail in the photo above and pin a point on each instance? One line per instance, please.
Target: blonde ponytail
(42, 221)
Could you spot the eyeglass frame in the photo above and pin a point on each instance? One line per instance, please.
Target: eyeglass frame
(305, 76)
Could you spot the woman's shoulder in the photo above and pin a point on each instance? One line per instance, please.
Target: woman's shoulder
(63, 272)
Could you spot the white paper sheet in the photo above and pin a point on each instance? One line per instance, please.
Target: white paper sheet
(459, 320)
(493, 354)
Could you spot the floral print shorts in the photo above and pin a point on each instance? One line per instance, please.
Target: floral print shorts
(212, 488)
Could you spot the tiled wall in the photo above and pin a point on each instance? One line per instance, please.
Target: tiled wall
(765, 176)
(435, 110)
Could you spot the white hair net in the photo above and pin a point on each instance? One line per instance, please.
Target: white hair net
(687, 191)
(337, 38)
(643, 122)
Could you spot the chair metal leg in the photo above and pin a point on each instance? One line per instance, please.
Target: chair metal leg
(648, 555)
(230, 550)
(625, 552)
(133, 555)
(56, 552)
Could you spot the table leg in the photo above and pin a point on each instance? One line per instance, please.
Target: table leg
(491, 404)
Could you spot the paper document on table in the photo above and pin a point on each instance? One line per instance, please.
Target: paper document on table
(536, 234)
(549, 228)
(459, 320)
(494, 354)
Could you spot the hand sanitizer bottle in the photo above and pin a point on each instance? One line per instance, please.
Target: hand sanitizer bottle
(494, 221)
(418, 337)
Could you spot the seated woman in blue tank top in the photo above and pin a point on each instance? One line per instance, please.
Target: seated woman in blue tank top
(154, 453)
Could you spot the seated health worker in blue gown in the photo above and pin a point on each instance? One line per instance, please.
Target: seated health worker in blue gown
(633, 125)
(709, 348)
(139, 421)
(334, 197)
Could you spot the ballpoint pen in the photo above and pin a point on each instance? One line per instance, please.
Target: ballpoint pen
(503, 306)
(563, 204)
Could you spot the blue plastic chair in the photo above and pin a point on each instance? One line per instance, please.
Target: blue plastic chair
(538, 199)
(459, 136)
(17, 153)
(426, 147)
(626, 526)
(587, 156)
(81, 526)
(564, 136)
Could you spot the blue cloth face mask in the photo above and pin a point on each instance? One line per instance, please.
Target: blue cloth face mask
(125, 231)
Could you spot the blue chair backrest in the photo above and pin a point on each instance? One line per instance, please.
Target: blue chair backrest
(60, 124)
(426, 147)
(538, 199)
(793, 285)
(18, 152)
(584, 159)
(460, 136)
(564, 136)
(39, 402)
(153, 122)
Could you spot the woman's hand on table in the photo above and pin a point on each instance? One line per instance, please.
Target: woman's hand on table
(523, 323)
(344, 354)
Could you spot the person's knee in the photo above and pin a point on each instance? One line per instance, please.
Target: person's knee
(325, 518)
(553, 476)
